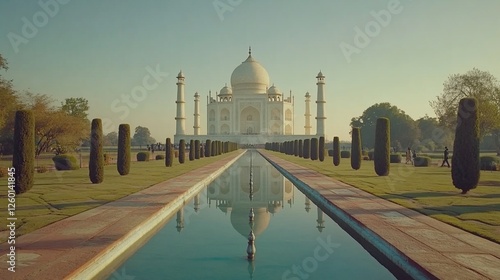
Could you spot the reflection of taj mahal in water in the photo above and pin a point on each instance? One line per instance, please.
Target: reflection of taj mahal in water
(231, 193)
(250, 111)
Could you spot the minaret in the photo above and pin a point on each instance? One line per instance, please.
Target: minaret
(320, 101)
(308, 114)
(180, 119)
(196, 125)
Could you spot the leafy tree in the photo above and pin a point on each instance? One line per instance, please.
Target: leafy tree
(96, 161)
(142, 137)
(432, 134)
(23, 159)
(76, 107)
(111, 139)
(465, 163)
(356, 148)
(482, 86)
(403, 127)
(382, 147)
(123, 161)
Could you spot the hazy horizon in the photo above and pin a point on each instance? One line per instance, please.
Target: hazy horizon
(370, 52)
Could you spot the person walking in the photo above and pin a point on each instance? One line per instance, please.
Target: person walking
(445, 154)
(408, 156)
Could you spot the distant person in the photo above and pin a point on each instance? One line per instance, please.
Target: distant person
(408, 156)
(445, 156)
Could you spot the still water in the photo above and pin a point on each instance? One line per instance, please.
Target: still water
(208, 237)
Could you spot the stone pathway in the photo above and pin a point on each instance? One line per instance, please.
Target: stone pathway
(77, 247)
(442, 250)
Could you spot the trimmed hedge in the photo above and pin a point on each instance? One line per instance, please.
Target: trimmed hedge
(158, 157)
(169, 153)
(336, 151)
(208, 148)
(345, 154)
(142, 156)
(314, 148)
(395, 158)
(23, 159)
(382, 147)
(465, 164)
(301, 147)
(490, 163)
(65, 162)
(356, 148)
(422, 161)
(124, 156)
(96, 161)
(182, 151)
(191, 150)
(197, 149)
(321, 148)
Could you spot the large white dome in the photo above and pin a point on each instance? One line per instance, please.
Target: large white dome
(249, 77)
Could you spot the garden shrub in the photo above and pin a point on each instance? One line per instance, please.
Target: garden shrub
(345, 154)
(158, 157)
(169, 153)
(465, 163)
(124, 156)
(307, 148)
(23, 159)
(422, 161)
(356, 148)
(182, 151)
(491, 163)
(321, 148)
(65, 162)
(314, 148)
(382, 147)
(395, 158)
(336, 151)
(96, 161)
(142, 156)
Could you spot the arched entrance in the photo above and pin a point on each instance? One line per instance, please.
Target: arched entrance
(249, 121)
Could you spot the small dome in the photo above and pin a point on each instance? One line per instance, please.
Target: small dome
(225, 91)
(273, 91)
(250, 76)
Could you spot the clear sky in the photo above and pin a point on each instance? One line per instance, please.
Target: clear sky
(370, 51)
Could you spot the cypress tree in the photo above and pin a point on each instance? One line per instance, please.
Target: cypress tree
(191, 150)
(465, 163)
(182, 151)
(356, 148)
(321, 148)
(212, 149)
(169, 153)
(296, 147)
(314, 148)
(96, 161)
(307, 148)
(123, 160)
(208, 148)
(382, 147)
(202, 151)
(301, 148)
(336, 151)
(23, 159)
(197, 149)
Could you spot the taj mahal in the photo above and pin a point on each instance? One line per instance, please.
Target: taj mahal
(250, 111)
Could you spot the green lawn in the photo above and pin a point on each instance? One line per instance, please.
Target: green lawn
(59, 194)
(428, 190)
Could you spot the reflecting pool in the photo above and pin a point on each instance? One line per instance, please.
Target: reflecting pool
(209, 236)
